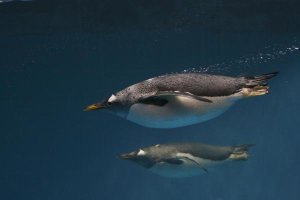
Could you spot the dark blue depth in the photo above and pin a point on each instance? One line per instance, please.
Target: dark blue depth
(51, 69)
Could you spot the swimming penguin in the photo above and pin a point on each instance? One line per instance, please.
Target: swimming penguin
(185, 159)
(181, 99)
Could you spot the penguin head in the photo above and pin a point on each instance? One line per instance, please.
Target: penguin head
(140, 157)
(114, 104)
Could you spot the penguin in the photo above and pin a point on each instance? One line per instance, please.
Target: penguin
(179, 160)
(182, 99)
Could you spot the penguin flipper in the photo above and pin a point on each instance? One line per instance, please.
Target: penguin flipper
(160, 98)
(174, 161)
(179, 93)
(153, 100)
(194, 161)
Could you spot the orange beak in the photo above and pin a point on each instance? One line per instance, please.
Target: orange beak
(93, 107)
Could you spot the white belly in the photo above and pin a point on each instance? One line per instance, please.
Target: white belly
(179, 111)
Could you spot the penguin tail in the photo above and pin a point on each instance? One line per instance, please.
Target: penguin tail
(257, 85)
(240, 152)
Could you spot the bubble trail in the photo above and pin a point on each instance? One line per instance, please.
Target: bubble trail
(267, 54)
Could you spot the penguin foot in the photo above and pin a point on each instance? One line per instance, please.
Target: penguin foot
(255, 91)
(240, 152)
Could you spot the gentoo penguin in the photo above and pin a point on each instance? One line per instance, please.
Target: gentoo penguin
(185, 159)
(181, 99)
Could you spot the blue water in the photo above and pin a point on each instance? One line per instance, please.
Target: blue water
(50, 69)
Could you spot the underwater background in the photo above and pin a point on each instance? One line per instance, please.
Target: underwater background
(56, 57)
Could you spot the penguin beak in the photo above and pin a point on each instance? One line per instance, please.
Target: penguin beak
(95, 106)
(127, 156)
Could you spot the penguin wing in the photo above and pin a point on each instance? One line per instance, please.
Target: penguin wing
(160, 98)
(194, 161)
(174, 161)
(154, 100)
(178, 161)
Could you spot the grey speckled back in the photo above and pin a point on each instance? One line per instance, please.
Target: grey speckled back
(195, 83)
(205, 151)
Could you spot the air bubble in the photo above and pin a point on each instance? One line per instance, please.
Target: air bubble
(268, 54)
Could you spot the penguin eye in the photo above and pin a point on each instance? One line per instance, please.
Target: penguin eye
(109, 103)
